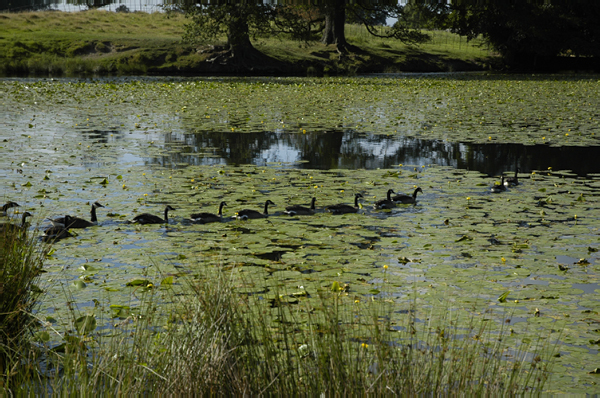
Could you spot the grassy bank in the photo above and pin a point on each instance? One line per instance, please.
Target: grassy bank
(104, 43)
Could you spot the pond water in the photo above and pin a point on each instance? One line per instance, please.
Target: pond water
(136, 145)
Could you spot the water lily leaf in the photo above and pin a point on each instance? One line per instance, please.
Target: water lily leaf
(463, 238)
(36, 289)
(120, 311)
(503, 297)
(336, 287)
(79, 284)
(85, 324)
(42, 336)
(167, 281)
(139, 282)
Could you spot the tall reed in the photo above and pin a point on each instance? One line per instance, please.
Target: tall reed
(21, 260)
(216, 341)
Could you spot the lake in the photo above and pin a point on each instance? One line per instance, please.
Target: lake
(136, 145)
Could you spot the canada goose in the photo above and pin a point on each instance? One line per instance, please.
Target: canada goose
(509, 181)
(343, 208)
(407, 199)
(77, 222)
(250, 214)
(499, 188)
(204, 218)
(57, 232)
(147, 218)
(298, 210)
(12, 228)
(387, 203)
(7, 206)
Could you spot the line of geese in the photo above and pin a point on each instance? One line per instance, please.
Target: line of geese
(61, 225)
(293, 210)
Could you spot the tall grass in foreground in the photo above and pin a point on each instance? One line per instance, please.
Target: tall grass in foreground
(21, 260)
(218, 342)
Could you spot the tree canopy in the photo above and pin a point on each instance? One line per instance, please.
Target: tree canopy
(300, 19)
(524, 32)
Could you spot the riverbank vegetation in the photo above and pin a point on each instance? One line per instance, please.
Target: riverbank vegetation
(98, 43)
(21, 259)
(217, 340)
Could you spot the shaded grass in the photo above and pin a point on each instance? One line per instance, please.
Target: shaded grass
(105, 43)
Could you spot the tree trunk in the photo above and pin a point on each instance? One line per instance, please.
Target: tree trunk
(238, 37)
(335, 18)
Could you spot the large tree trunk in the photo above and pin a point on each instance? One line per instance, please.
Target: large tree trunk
(240, 56)
(238, 37)
(335, 19)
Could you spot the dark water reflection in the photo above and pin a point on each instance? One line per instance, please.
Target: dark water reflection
(352, 150)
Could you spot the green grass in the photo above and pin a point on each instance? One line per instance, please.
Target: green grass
(21, 259)
(106, 43)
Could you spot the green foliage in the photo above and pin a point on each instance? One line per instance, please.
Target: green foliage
(21, 256)
(524, 30)
(236, 21)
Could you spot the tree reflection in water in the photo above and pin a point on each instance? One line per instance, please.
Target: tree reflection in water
(349, 149)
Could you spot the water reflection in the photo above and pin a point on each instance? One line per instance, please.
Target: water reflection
(352, 150)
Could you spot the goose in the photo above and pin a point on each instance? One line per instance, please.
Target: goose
(250, 214)
(147, 218)
(387, 203)
(343, 208)
(407, 199)
(7, 206)
(12, 228)
(298, 210)
(499, 188)
(57, 232)
(204, 218)
(77, 222)
(510, 181)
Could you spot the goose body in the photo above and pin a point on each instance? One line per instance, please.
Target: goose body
(147, 218)
(343, 208)
(12, 228)
(299, 210)
(57, 232)
(253, 214)
(499, 188)
(387, 203)
(77, 222)
(407, 199)
(204, 218)
(511, 181)
(7, 206)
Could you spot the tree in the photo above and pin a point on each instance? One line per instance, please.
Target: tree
(233, 19)
(527, 33)
(240, 20)
(369, 13)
